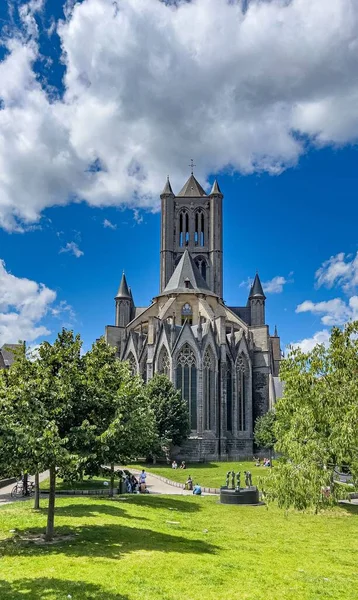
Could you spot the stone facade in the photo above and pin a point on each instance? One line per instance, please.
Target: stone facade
(223, 359)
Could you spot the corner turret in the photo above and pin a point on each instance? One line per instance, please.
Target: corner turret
(124, 304)
(257, 302)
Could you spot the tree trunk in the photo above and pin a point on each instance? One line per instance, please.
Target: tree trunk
(51, 506)
(270, 457)
(111, 486)
(25, 484)
(37, 492)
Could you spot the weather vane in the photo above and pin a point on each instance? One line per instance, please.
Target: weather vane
(192, 166)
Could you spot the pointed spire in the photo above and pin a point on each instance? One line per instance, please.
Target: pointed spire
(123, 291)
(256, 288)
(167, 191)
(191, 189)
(275, 332)
(215, 190)
(187, 277)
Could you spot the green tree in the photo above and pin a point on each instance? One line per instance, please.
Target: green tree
(264, 433)
(317, 421)
(170, 411)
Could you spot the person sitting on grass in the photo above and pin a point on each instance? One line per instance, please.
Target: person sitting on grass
(174, 464)
(197, 490)
(189, 483)
(183, 465)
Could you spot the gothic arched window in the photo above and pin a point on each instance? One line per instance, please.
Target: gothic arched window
(209, 389)
(199, 238)
(132, 364)
(228, 394)
(242, 391)
(201, 264)
(183, 228)
(186, 314)
(186, 376)
(164, 362)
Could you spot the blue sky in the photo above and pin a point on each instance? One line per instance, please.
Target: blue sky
(92, 121)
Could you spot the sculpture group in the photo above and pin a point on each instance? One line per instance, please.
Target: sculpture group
(248, 480)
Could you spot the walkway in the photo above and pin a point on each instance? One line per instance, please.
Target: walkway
(156, 486)
(5, 493)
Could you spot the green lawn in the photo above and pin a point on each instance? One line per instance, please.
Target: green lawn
(86, 484)
(208, 474)
(179, 548)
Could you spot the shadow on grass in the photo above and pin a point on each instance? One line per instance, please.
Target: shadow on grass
(106, 541)
(163, 502)
(93, 509)
(351, 508)
(43, 588)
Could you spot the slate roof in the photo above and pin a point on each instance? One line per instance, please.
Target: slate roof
(167, 189)
(191, 189)
(6, 356)
(215, 190)
(123, 290)
(256, 288)
(187, 278)
(243, 312)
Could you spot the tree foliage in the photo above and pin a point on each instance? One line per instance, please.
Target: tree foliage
(264, 434)
(317, 421)
(170, 410)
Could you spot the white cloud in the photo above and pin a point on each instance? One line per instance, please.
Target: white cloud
(275, 285)
(307, 344)
(23, 304)
(339, 270)
(73, 248)
(109, 224)
(332, 312)
(138, 218)
(149, 84)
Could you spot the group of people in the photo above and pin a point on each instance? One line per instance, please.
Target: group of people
(196, 489)
(266, 462)
(136, 486)
(175, 465)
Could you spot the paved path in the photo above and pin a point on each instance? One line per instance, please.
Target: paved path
(5, 493)
(156, 486)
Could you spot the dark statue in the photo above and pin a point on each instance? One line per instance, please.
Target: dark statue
(228, 478)
(248, 479)
(238, 475)
(233, 479)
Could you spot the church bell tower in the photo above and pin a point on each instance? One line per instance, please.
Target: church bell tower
(192, 220)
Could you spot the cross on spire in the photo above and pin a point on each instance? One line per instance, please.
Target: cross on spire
(192, 166)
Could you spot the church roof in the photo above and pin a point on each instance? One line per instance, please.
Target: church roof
(187, 278)
(123, 290)
(167, 188)
(256, 288)
(192, 189)
(215, 190)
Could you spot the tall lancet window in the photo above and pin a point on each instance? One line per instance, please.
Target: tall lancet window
(228, 394)
(201, 264)
(209, 389)
(186, 377)
(199, 237)
(183, 228)
(132, 364)
(164, 362)
(242, 391)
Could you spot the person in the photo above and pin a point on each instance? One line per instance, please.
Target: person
(143, 476)
(134, 483)
(189, 483)
(258, 462)
(197, 490)
(183, 465)
(174, 464)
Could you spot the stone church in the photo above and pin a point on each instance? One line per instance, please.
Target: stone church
(222, 358)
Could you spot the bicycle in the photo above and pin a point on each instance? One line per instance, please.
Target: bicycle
(18, 491)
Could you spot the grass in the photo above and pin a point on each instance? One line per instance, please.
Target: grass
(174, 548)
(87, 484)
(211, 474)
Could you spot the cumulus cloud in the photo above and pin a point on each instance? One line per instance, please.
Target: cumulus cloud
(332, 312)
(340, 270)
(275, 285)
(307, 344)
(72, 248)
(236, 85)
(23, 304)
(108, 224)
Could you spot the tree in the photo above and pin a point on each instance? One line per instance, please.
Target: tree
(170, 411)
(264, 433)
(317, 421)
